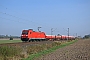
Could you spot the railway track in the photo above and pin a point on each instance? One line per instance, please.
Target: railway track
(26, 43)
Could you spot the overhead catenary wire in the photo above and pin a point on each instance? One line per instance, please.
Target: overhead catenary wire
(24, 19)
(21, 20)
(11, 20)
(12, 16)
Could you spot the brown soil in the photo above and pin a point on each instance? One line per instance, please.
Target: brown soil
(77, 51)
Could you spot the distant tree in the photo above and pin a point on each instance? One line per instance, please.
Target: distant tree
(11, 38)
(58, 34)
(87, 36)
(6, 36)
(79, 37)
(2, 36)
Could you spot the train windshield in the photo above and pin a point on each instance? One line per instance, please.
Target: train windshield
(25, 33)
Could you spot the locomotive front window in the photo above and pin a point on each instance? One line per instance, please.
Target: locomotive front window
(25, 33)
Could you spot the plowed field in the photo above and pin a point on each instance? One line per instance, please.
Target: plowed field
(77, 51)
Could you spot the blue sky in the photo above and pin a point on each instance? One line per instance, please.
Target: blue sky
(16, 15)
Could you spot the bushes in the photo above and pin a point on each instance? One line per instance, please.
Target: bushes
(11, 38)
(12, 52)
(39, 48)
(8, 52)
(34, 49)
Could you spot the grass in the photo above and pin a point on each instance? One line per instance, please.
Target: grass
(13, 52)
(9, 52)
(9, 41)
(36, 55)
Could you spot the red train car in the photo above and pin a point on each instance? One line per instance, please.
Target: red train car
(61, 37)
(58, 37)
(50, 37)
(30, 35)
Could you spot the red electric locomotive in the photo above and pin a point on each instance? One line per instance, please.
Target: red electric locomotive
(30, 35)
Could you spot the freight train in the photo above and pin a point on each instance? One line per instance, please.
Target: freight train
(30, 35)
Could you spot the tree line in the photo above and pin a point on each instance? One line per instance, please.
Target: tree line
(86, 36)
(8, 36)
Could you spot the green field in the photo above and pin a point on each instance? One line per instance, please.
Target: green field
(9, 41)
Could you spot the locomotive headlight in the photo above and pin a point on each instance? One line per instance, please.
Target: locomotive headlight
(22, 35)
(26, 35)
